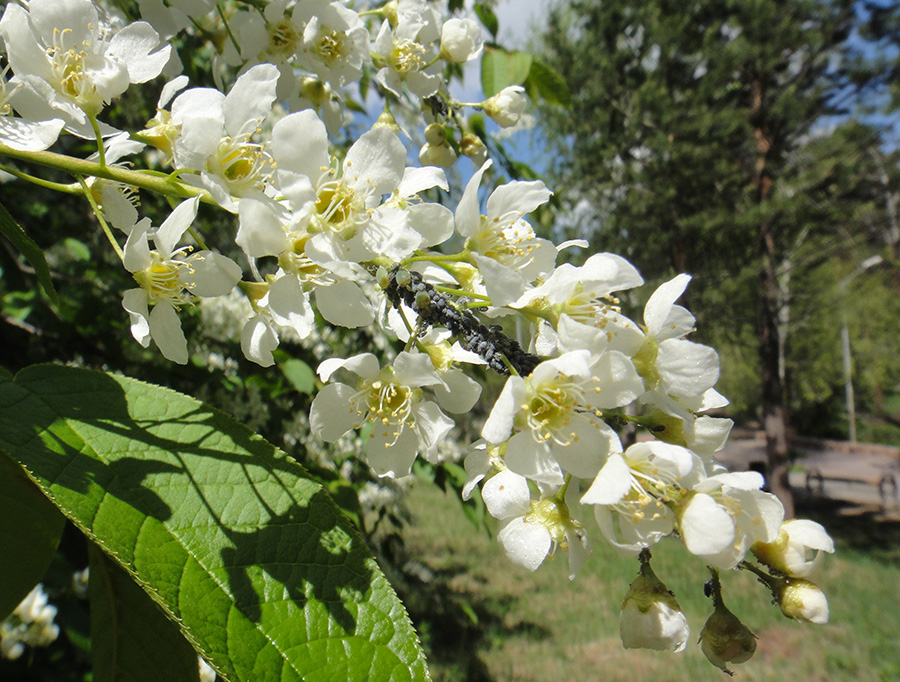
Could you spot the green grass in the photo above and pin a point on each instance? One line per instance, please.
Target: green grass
(489, 620)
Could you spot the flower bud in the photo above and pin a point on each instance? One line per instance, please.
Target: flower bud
(651, 617)
(435, 134)
(441, 155)
(725, 639)
(803, 600)
(506, 106)
(461, 40)
(386, 120)
(472, 146)
(315, 91)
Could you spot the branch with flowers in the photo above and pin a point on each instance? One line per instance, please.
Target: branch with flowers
(245, 558)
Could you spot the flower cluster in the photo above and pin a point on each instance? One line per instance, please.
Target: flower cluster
(354, 237)
(30, 624)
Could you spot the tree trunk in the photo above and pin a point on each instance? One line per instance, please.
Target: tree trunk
(773, 410)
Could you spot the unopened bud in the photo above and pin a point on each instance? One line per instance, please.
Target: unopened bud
(441, 155)
(472, 146)
(386, 120)
(435, 134)
(651, 617)
(315, 91)
(506, 106)
(802, 600)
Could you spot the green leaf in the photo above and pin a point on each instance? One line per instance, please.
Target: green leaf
(299, 374)
(549, 83)
(129, 631)
(31, 251)
(30, 528)
(488, 18)
(501, 68)
(236, 543)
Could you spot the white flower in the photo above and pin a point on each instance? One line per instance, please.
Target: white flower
(335, 44)
(671, 365)
(216, 132)
(163, 275)
(72, 62)
(633, 488)
(508, 252)
(405, 52)
(557, 429)
(391, 398)
(30, 623)
(506, 106)
(461, 40)
(530, 530)
(792, 551)
(726, 515)
(339, 205)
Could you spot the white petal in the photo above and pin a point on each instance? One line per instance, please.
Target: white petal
(365, 365)
(809, 534)
(165, 328)
(432, 426)
(332, 413)
(433, 221)
(134, 45)
(213, 274)
(499, 424)
(461, 392)
(300, 144)
(517, 197)
(179, 220)
(468, 212)
(250, 99)
(135, 302)
(31, 136)
(417, 180)
(391, 455)
(345, 304)
(706, 527)
(619, 382)
(506, 495)
(290, 306)
(258, 341)
(260, 232)
(375, 161)
(136, 254)
(689, 369)
(612, 483)
(660, 304)
(525, 544)
(533, 460)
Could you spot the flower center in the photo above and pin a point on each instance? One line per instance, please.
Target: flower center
(388, 402)
(550, 409)
(283, 38)
(511, 243)
(242, 164)
(298, 263)
(331, 46)
(162, 279)
(407, 56)
(339, 208)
